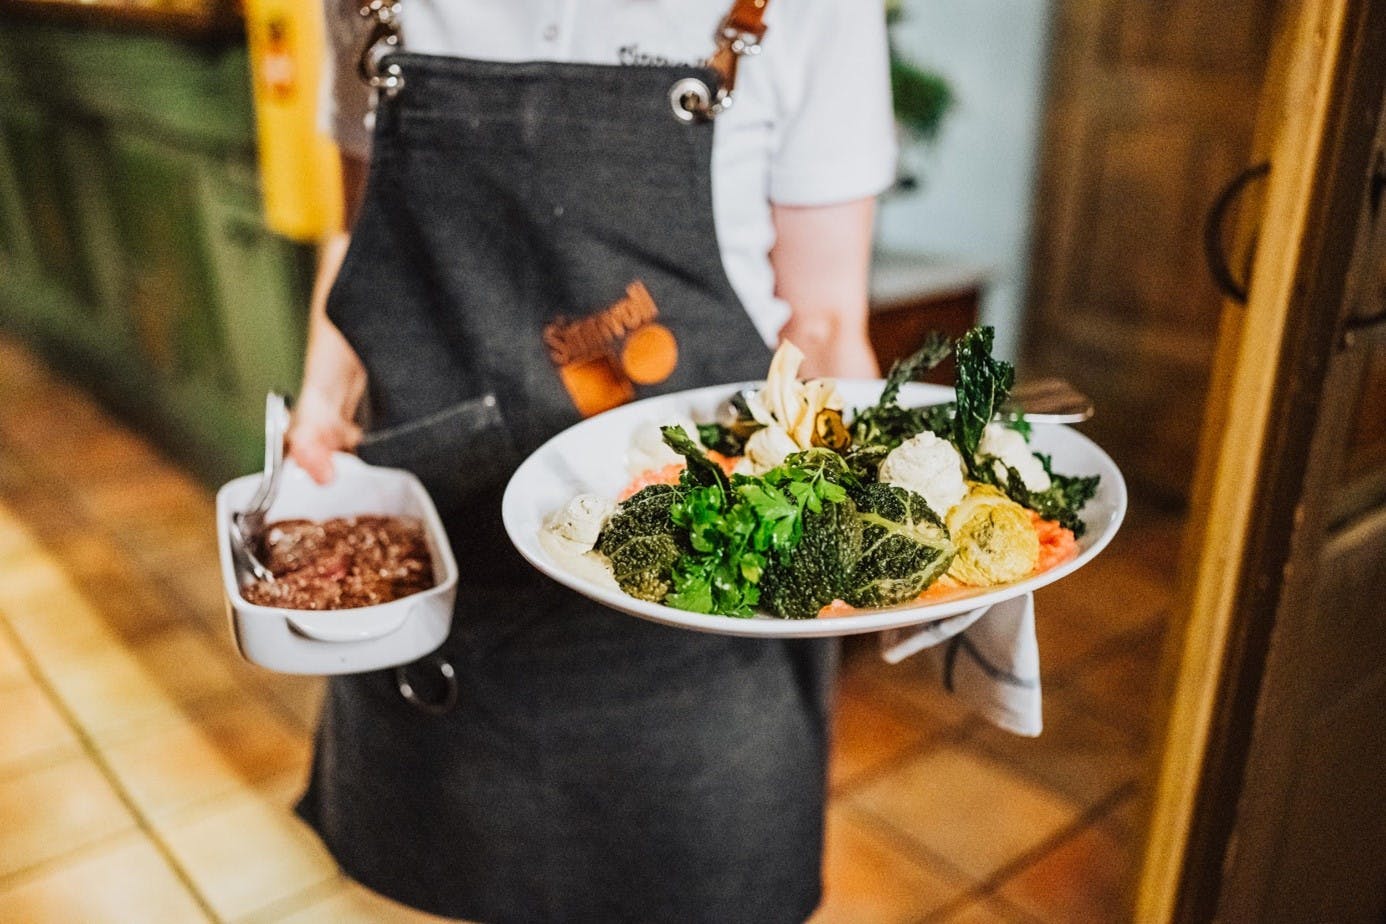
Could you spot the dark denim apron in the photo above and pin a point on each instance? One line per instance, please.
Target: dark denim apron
(585, 765)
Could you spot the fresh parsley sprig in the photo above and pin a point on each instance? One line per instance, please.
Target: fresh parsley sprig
(736, 533)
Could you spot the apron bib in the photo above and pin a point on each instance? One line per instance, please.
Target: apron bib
(536, 242)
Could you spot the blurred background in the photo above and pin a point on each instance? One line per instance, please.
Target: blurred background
(162, 187)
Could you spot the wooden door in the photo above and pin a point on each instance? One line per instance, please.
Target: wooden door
(1271, 800)
(1150, 113)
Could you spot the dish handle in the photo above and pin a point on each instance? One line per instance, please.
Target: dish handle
(344, 626)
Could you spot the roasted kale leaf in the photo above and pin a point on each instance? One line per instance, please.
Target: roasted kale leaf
(1062, 501)
(886, 423)
(982, 384)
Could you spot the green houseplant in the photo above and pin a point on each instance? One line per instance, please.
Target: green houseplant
(922, 98)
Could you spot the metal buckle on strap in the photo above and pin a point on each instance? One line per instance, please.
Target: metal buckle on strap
(382, 38)
(740, 42)
(691, 99)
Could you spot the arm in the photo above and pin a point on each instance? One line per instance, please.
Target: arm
(822, 259)
(333, 377)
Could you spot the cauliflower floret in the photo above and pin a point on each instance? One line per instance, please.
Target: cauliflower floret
(1010, 448)
(928, 466)
(580, 521)
(648, 451)
(767, 448)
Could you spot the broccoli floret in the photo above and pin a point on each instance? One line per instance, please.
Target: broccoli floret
(816, 571)
(642, 542)
(905, 547)
(643, 566)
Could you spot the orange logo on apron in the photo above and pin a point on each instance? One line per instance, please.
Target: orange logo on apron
(602, 357)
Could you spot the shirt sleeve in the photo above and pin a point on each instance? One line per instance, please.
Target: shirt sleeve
(836, 132)
(344, 101)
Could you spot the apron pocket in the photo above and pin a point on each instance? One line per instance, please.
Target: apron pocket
(463, 454)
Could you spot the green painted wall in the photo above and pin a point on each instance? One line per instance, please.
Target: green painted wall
(132, 250)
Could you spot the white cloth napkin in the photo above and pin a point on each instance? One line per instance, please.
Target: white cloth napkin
(988, 658)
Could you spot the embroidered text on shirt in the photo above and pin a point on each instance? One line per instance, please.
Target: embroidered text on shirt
(632, 55)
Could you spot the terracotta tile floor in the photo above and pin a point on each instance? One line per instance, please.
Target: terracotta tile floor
(146, 772)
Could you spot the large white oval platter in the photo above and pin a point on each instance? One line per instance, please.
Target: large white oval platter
(590, 457)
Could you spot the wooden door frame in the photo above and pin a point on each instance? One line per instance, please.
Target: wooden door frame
(1264, 397)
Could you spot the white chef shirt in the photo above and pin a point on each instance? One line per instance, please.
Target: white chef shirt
(811, 122)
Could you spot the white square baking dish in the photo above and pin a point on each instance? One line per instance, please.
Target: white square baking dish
(339, 641)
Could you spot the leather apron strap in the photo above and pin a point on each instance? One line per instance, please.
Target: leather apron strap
(740, 33)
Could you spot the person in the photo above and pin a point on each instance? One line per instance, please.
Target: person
(560, 207)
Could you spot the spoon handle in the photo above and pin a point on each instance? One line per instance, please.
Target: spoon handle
(276, 423)
(1050, 401)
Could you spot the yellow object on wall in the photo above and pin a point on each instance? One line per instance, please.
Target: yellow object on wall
(299, 171)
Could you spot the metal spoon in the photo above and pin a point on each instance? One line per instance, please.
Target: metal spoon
(1050, 401)
(248, 524)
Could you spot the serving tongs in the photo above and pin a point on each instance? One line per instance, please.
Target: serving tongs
(248, 526)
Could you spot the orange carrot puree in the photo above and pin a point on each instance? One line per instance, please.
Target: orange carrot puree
(669, 474)
(940, 591)
(1057, 543)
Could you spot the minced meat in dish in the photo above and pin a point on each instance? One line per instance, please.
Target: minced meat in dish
(343, 563)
